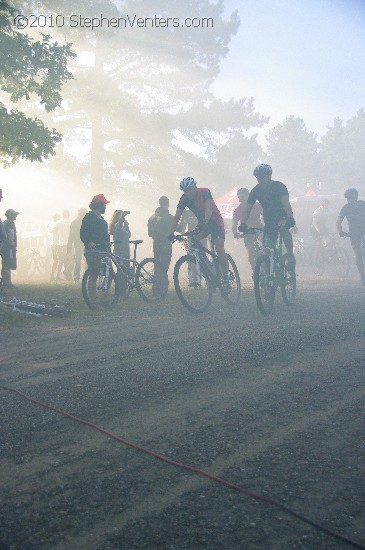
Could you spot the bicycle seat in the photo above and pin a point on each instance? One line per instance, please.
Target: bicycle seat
(136, 242)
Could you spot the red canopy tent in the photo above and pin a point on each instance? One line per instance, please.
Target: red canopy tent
(228, 203)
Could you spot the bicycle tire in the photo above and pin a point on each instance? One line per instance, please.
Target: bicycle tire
(103, 298)
(195, 295)
(235, 282)
(145, 280)
(289, 286)
(343, 263)
(264, 286)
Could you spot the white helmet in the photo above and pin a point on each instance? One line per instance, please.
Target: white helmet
(186, 183)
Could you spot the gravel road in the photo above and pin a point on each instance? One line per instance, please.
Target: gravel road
(274, 405)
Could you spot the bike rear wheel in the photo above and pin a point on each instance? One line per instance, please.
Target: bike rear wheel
(145, 280)
(235, 283)
(264, 286)
(100, 291)
(289, 284)
(192, 287)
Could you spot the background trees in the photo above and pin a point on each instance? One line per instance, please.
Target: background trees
(33, 70)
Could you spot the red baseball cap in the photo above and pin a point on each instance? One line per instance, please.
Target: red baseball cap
(100, 198)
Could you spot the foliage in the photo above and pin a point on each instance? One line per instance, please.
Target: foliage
(342, 154)
(293, 153)
(141, 105)
(28, 68)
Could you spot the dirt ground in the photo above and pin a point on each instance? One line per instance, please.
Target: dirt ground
(275, 405)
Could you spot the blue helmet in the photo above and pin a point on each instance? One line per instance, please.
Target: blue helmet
(186, 183)
(262, 169)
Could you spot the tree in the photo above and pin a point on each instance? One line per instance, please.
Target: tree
(342, 154)
(293, 153)
(28, 68)
(145, 93)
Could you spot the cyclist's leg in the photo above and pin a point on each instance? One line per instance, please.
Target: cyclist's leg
(218, 236)
(288, 241)
(357, 248)
(249, 241)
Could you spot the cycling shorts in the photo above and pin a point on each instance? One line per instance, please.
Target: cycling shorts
(215, 230)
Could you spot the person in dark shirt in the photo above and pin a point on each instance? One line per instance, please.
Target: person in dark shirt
(210, 221)
(273, 196)
(94, 232)
(354, 212)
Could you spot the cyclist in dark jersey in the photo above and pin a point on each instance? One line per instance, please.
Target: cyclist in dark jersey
(274, 199)
(210, 222)
(354, 212)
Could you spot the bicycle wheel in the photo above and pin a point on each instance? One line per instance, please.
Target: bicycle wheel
(234, 281)
(263, 285)
(192, 287)
(341, 262)
(145, 280)
(289, 284)
(100, 292)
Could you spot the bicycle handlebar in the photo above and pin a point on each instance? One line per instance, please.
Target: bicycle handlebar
(173, 238)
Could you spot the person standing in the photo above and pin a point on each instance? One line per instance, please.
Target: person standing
(65, 259)
(75, 245)
(54, 242)
(2, 232)
(94, 233)
(119, 230)
(160, 226)
(8, 250)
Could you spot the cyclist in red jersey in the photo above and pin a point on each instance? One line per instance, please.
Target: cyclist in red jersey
(210, 222)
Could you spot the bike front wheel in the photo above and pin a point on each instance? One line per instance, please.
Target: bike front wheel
(146, 280)
(100, 291)
(192, 287)
(289, 284)
(234, 282)
(264, 286)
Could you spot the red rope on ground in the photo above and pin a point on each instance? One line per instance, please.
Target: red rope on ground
(186, 467)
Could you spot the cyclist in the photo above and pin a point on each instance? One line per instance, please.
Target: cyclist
(254, 220)
(354, 212)
(319, 228)
(210, 222)
(273, 196)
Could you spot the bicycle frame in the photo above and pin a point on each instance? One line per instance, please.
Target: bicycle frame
(128, 274)
(275, 252)
(196, 249)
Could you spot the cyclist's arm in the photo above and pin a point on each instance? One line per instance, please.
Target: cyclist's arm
(315, 223)
(339, 223)
(177, 217)
(287, 206)
(246, 211)
(208, 211)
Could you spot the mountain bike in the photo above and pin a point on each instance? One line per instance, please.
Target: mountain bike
(198, 274)
(330, 256)
(116, 276)
(34, 263)
(271, 272)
